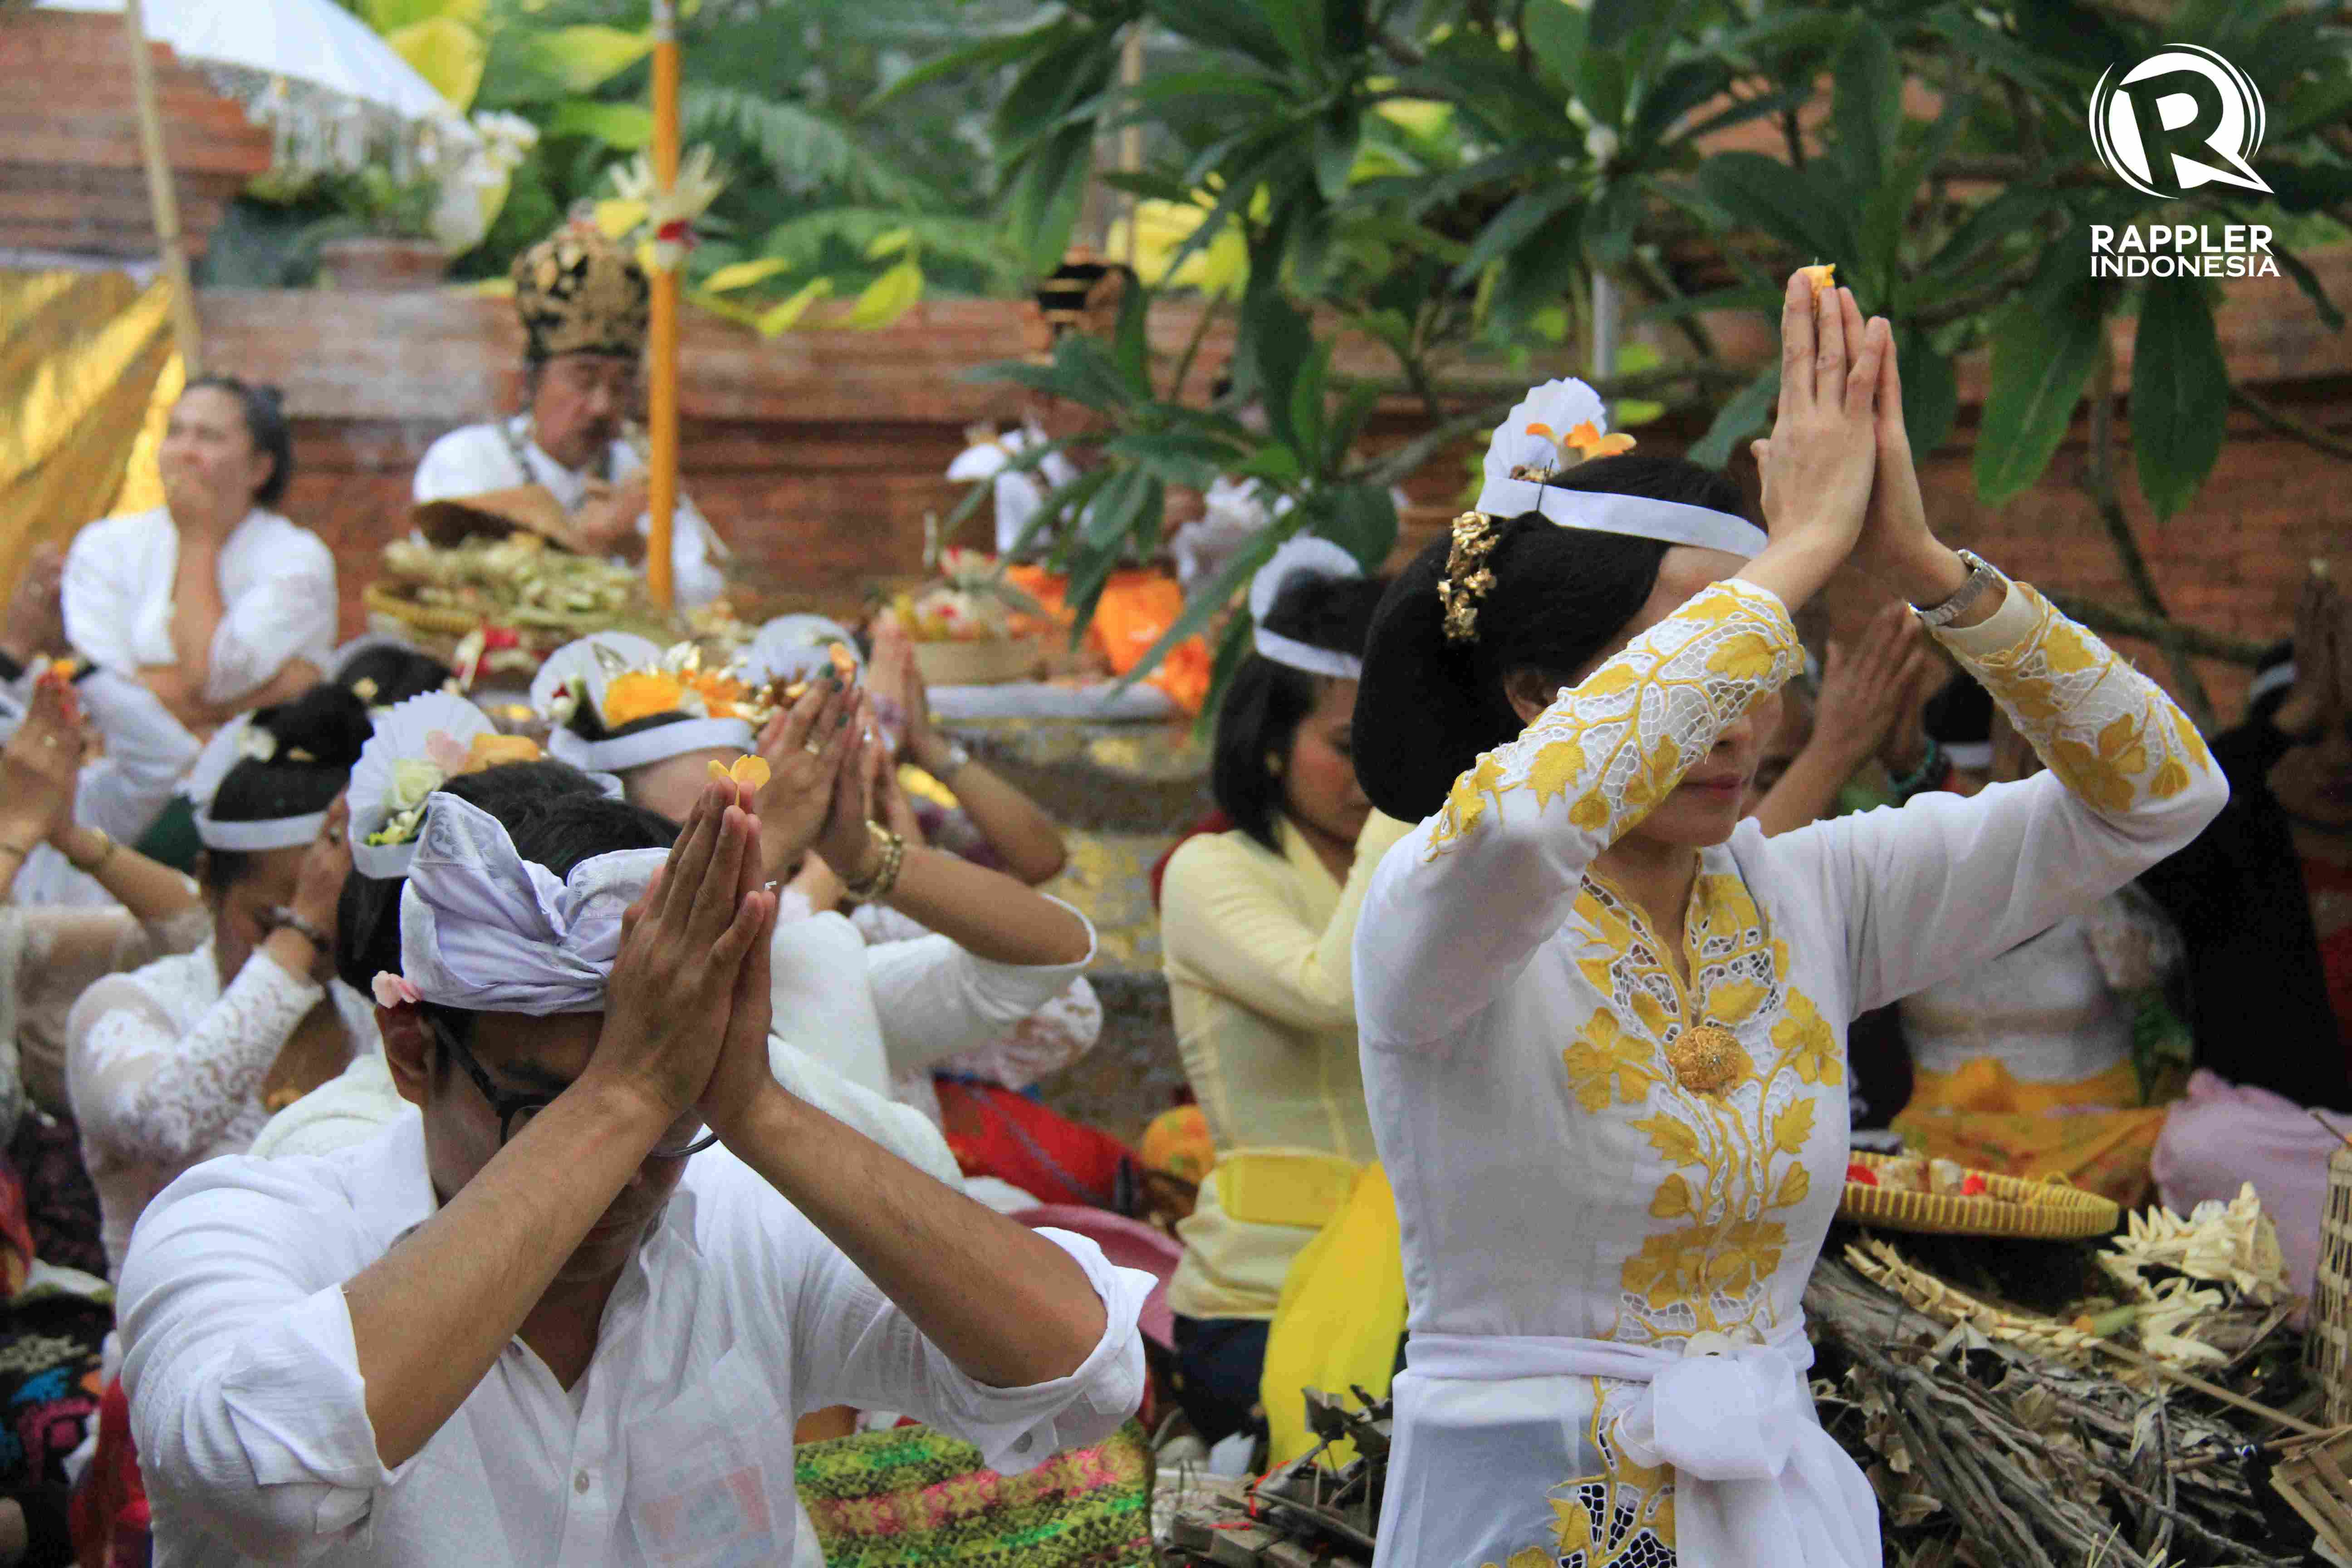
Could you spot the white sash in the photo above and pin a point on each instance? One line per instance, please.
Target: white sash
(1757, 1483)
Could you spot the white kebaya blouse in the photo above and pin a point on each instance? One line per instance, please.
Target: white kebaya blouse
(1607, 1228)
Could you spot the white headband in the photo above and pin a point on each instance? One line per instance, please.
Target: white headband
(1299, 558)
(2276, 677)
(1969, 754)
(1538, 433)
(1670, 522)
(484, 929)
(646, 747)
(231, 743)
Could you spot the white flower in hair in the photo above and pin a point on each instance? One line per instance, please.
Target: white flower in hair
(417, 746)
(256, 745)
(1554, 419)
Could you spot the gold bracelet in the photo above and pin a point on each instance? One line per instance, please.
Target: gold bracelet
(886, 876)
(105, 853)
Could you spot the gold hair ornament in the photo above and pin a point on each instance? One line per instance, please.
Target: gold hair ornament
(1467, 579)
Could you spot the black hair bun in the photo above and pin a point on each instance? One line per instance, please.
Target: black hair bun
(1334, 614)
(323, 728)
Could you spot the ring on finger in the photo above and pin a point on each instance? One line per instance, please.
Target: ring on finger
(812, 748)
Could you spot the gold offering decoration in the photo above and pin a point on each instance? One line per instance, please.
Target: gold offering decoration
(2052, 1210)
(1708, 1058)
(502, 604)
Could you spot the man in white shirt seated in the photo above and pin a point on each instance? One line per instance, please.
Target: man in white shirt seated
(213, 601)
(542, 1320)
(584, 304)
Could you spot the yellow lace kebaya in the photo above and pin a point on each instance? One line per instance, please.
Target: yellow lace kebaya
(1614, 1181)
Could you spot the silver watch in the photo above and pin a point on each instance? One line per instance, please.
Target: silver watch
(1983, 574)
(956, 759)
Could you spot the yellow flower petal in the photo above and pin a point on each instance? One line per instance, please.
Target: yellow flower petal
(752, 770)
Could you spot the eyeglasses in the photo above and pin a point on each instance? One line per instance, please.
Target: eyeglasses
(514, 1112)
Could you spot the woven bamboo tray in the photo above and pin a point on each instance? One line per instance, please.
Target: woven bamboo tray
(431, 619)
(2328, 1349)
(2315, 1476)
(2052, 1210)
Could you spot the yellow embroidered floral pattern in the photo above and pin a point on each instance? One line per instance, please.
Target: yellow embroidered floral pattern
(2106, 731)
(1734, 1150)
(1679, 681)
(1621, 1518)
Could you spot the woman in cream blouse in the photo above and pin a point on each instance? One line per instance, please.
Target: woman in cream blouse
(1255, 925)
(1602, 1021)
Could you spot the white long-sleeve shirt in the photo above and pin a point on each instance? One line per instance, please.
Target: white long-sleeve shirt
(475, 459)
(164, 1068)
(278, 598)
(1569, 1166)
(676, 1447)
(923, 1001)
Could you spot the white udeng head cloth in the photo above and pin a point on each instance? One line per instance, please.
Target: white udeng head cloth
(1301, 558)
(580, 661)
(484, 929)
(232, 743)
(1532, 437)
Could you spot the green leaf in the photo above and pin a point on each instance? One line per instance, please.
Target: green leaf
(2304, 187)
(1540, 272)
(1336, 136)
(2307, 280)
(1120, 507)
(985, 55)
(1131, 345)
(890, 243)
(1613, 24)
(744, 274)
(887, 298)
(1361, 519)
(1609, 228)
(1300, 24)
(1794, 205)
(585, 58)
(1510, 229)
(1307, 411)
(781, 318)
(1240, 25)
(1348, 424)
(2179, 393)
(623, 127)
(1868, 110)
(1556, 31)
(2043, 351)
(1931, 392)
(1191, 461)
(1681, 90)
(802, 148)
(1749, 410)
(1275, 343)
(1150, 185)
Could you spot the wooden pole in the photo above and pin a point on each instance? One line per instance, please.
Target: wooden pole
(161, 197)
(661, 483)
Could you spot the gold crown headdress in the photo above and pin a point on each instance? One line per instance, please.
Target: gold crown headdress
(578, 292)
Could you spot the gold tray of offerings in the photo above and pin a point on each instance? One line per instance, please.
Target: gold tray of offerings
(1909, 1192)
(517, 598)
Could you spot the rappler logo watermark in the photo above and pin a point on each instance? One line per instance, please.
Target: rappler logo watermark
(2182, 118)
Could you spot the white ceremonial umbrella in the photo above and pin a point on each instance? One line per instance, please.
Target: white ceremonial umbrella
(315, 42)
(318, 76)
